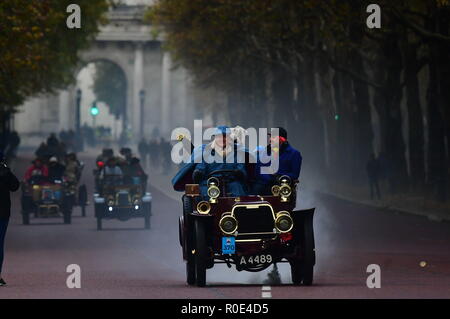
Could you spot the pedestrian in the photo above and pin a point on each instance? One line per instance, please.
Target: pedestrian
(153, 151)
(165, 153)
(8, 183)
(373, 173)
(143, 151)
(14, 142)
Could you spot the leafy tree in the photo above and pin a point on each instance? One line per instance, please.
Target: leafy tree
(38, 52)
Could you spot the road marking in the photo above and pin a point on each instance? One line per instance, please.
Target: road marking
(266, 292)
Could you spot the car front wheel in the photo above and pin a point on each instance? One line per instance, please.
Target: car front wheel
(200, 253)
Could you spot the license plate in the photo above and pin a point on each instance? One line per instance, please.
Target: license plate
(256, 260)
(228, 245)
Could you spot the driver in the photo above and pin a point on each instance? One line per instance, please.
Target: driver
(37, 172)
(111, 169)
(221, 155)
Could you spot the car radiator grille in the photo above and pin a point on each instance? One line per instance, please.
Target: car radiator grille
(123, 199)
(255, 220)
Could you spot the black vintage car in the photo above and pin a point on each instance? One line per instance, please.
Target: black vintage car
(122, 197)
(47, 200)
(249, 232)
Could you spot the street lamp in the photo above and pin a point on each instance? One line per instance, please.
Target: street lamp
(141, 119)
(77, 113)
(79, 139)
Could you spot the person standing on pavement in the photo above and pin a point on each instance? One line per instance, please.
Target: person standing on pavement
(8, 183)
(143, 151)
(373, 173)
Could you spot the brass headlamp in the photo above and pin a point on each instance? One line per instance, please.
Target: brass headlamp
(203, 207)
(284, 222)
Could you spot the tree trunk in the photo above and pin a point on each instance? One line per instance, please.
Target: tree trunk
(415, 119)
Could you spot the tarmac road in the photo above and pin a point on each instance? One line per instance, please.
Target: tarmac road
(127, 261)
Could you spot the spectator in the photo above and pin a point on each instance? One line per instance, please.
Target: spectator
(14, 142)
(373, 173)
(143, 151)
(8, 183)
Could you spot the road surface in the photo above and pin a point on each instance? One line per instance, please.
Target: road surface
(127, 261)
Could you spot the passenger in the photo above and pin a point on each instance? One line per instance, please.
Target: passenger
(111, 169)
(218, 158)
(55, 170)
(290, 162)
(73, 171)
(37, 173)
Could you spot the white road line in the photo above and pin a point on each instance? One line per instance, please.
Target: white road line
(266, 292)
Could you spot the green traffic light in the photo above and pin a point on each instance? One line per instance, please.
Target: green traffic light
(94, 111)
(336, 117)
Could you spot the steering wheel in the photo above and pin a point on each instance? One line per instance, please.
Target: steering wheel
(225, 173)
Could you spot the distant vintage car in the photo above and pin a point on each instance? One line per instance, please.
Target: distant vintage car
(250, 232)
(122, 197)
(47, 200)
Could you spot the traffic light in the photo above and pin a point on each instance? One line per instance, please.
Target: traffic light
(94, 109)
(336, 117)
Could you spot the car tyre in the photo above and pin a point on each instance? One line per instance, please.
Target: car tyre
(302, 269)
(147, 221)
(200, 253)
(25, 217)
(67, 217)
(190, 269)
(82, 199)
(99, 223)
(147, 215)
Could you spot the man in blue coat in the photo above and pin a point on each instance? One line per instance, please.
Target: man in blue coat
(222, 154)
(290, 162)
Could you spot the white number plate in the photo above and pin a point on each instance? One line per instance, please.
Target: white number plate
(256, 260)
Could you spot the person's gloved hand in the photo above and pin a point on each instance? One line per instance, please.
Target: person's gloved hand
(197, 176)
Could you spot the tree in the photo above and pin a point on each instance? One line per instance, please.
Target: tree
(38, 52)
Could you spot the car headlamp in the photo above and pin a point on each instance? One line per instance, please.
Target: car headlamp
(212, 181)
(284, 180)
(228, 224)
(110, 201)
(275, 190)
(284, 222)
(285, 190)
(203, 207)
(213, 191)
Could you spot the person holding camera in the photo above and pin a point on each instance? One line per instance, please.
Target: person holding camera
(8, 183)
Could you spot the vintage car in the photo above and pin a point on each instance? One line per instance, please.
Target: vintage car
(250, 232)
(47, 200)
(122, 197)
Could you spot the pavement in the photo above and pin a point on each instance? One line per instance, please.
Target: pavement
(127, 261)
(406, 203)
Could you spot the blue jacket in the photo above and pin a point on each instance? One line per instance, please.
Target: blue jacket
(207, 166)
(184, 175)
(290, 163)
